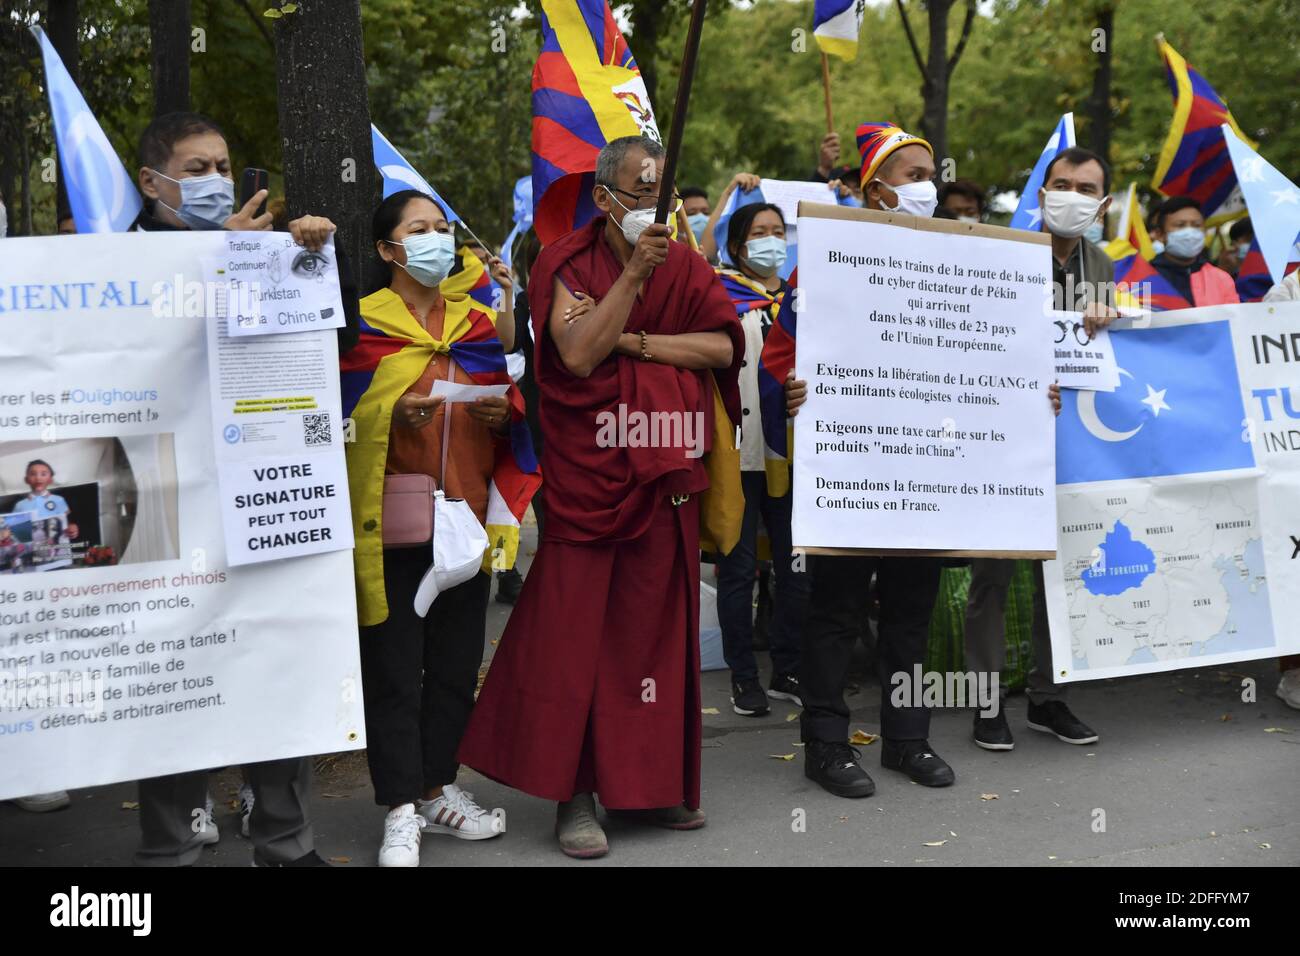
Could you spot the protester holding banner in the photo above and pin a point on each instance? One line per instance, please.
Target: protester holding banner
(419, 666)
(897, 175)
(1074, 196)
(756, 243)
(186, 179)
(594, 688)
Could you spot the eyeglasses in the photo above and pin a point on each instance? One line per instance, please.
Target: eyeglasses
(1077, 328)
(642, 202)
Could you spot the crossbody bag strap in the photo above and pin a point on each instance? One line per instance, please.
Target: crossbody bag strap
(446, 426)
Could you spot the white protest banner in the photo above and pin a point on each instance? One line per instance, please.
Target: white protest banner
(278, 437)
(148, 653)
(1179, 498)
(275, 285)
(928, 358)
(1082, 361)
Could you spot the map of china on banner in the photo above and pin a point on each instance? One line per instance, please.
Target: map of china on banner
(1178, 495)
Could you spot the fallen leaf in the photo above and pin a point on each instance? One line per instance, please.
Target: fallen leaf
(1051, 858)
(952, 833)
(863, 739)
(340, 859)
(781, 756)
(988, 796)
(130, 805)
(710, 710)
(1276, 730)
(935, 843)
(1226, 717)
(1266, 846)
(790, 717)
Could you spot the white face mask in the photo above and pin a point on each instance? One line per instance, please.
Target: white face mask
(1069, 214)
(915, 199)
(635, 221)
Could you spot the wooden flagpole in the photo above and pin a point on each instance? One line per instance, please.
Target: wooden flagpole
(826, 89)
(689, 57)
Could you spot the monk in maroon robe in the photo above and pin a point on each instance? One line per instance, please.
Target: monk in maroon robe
(594, 688)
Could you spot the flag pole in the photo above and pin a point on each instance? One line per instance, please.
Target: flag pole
(689, 57)
(826, 89)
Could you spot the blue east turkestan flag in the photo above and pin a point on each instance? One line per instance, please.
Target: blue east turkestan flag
(1027, 214)
(101, 192)
(1273, 201)
(1177, 409)
(398, 174)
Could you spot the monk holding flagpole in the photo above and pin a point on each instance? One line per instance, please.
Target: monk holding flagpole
(594, 689)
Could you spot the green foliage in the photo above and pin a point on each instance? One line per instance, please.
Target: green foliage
(450, 84)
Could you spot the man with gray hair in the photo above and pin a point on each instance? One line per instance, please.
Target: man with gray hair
(594, 689)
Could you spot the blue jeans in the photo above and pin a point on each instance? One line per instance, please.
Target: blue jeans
(736, 587)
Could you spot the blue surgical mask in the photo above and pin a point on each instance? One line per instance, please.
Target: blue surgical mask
(765, 255)
(698, 221)
(429, 256)
(206, 201)
(1243, 250)
(1186, 243)
(1094, 232)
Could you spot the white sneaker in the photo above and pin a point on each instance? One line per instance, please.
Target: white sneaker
(401, 845)
(456, 813)
(43, 802)
(1288, 688)
(208, 833)
(245, 807)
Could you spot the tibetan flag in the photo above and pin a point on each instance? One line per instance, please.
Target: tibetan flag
(1027, 214)
(393, 352)
(473, 279)
(587, 90)
(1195, 160)
(835, 26)
(101, 192)
(398, 174)
(1253, 278)
(774, 365)
(1144, 287)
(1131, 241)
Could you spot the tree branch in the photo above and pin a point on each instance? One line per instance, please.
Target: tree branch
(965, 35)
(911, 40)
(258, 22)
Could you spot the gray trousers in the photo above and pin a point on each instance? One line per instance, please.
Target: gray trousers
(986, 641)
(278, 828)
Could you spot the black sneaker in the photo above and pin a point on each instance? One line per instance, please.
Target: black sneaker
(918, 761)
(992, 733)
(509, 584)
(307, 859)
(786, 687)
(1054, 717)
(748, 699)
(835, 766)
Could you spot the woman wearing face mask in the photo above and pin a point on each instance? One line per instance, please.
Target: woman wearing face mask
(419, 674)
(1182, 276)
(756, 244)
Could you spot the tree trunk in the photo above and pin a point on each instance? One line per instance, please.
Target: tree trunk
(169, 40)
(647, 17)
(329, 167)
(1099, 111)
(64, 19)
(934, 123)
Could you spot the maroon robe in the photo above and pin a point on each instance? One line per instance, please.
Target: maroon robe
(595, 683)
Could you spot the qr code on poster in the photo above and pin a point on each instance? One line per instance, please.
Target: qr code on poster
(316, 429)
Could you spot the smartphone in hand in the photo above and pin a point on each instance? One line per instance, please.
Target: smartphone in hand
(253, 180)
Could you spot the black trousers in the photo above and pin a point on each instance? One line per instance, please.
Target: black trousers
(418, 676)
(907, 588)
